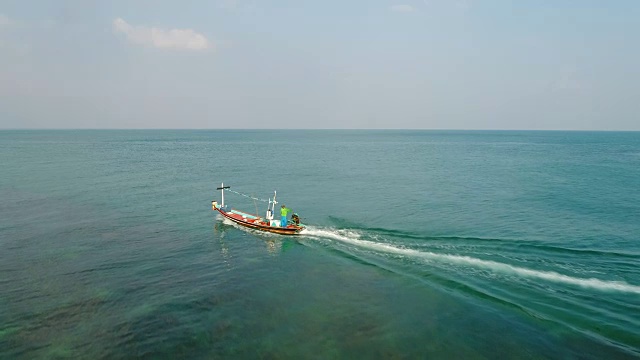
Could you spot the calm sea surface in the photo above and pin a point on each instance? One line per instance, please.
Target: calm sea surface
(421, 244)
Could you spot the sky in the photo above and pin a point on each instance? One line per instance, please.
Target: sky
(296, 64)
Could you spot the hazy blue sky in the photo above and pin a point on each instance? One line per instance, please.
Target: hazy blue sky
(435, 64)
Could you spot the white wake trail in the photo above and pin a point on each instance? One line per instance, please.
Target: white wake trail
(353, 237)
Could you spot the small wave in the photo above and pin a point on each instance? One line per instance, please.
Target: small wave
(353, 237)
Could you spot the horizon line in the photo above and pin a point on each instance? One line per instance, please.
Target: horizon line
(310, 129)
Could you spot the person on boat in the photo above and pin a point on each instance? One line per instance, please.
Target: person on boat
(284, 211)
(295, 219)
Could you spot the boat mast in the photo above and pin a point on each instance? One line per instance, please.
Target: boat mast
(273, 207)
(221, 188)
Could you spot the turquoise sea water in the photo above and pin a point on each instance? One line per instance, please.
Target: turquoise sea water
(421, 244)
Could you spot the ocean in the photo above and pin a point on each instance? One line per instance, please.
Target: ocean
(420, 244)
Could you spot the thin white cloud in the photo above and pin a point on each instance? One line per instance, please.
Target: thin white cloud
(5, 20)
(568, 81)
(464, 5)
(179, 39)
(228, 4)
(237, 5)
(402, 8)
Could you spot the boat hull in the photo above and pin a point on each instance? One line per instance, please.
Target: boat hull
(253, 222)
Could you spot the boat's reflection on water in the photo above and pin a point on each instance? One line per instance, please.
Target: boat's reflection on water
(219, 231)
(273, 247)
(274, 243)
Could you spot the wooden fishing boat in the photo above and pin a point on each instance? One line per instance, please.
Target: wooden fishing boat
(254, 221)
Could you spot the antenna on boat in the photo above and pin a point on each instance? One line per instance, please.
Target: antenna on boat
(221, 188)
(271, 206)
(274, 200)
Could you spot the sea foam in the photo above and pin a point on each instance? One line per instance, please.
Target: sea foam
(354, 238)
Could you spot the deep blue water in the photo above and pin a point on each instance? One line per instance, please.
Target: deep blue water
(421, 244)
